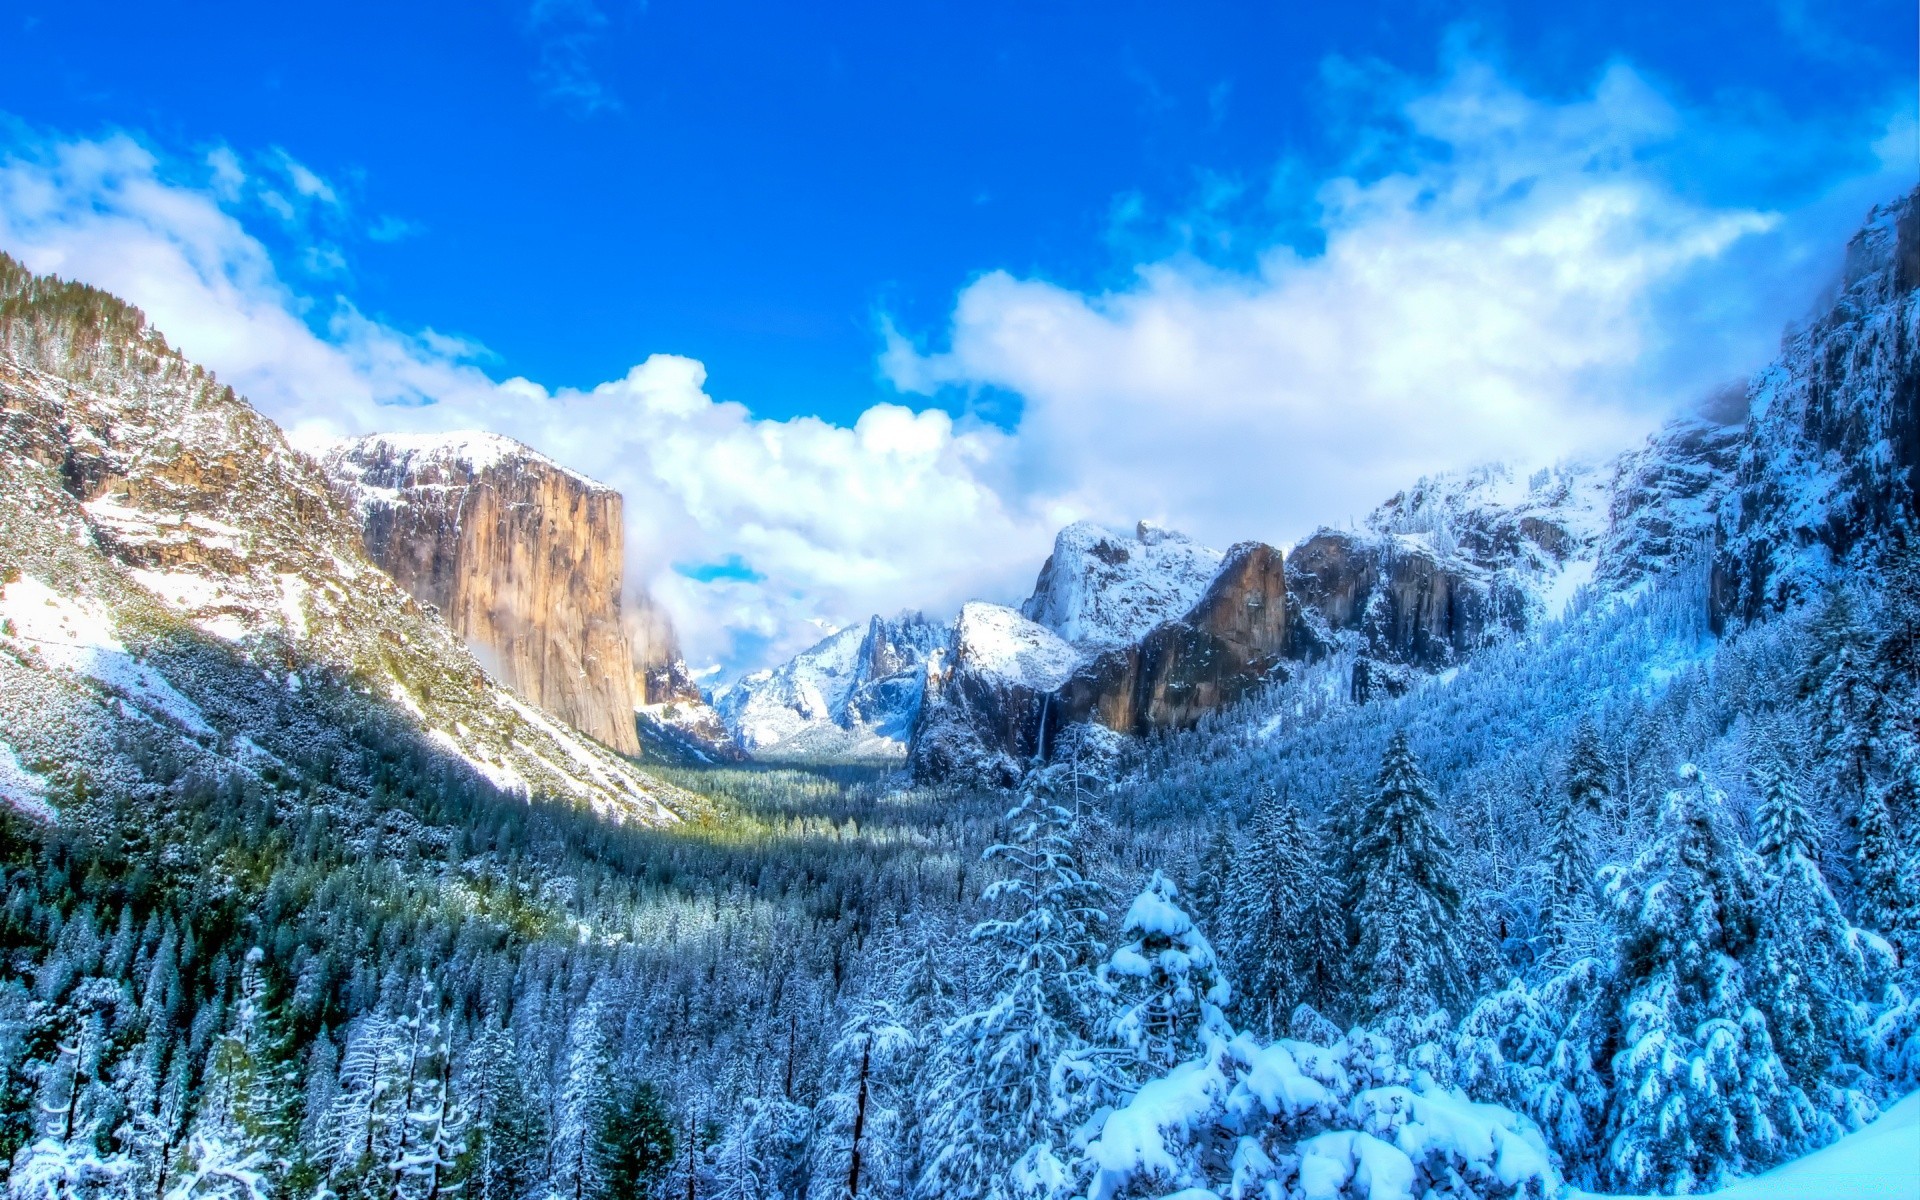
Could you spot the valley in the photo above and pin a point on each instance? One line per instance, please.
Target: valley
(366, 836)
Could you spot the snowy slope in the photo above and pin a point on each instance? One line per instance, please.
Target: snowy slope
(1880, 1162)
(1101, 588)
(173, 567)
(996, 643)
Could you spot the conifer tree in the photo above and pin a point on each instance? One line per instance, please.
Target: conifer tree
(1700, 1093)
(636, 1142)
(1167, 983)
(1011, 1076)
(586, 1094)
(1282, 918)
(506, 1138)
(1408, 910)
(1887, 879)
(858, 1126)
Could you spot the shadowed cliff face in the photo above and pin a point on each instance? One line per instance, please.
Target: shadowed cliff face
(521, 557)
(1408, 609)
(1831, 459)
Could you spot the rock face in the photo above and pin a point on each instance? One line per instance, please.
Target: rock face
(522, 558)
(986, 709)
(855, 693)
(1232, 639)
(216, 604)
(1831, 458)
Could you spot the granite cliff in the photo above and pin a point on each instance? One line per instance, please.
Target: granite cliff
(522, 558)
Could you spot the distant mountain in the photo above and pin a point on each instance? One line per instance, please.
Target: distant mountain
(176, 576)
(1154, 632)
(855, 693)
(1100, 588)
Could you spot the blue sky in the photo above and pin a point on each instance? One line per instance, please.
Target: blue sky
(579, 182)
(857, 304)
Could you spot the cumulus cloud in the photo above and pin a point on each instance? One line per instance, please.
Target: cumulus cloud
(834, 522)
(1497, 277)
(1492, 276)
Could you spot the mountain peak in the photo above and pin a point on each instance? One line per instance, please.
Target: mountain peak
(1102, 588)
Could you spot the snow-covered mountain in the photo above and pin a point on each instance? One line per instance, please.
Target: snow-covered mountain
(1154, 632)
(1100, 588)
(180, 581)
(855, 693)
(1830, 464)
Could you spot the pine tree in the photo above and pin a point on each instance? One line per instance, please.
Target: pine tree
(636, 1142)
(1568, 913)
(1167, 982)
(243, 1135)
(1887, 879)
(1410, 951)
(1589, 775)
(426, 1163)
(1284, 928)
(586, 1094)
(858, 1125)
(1700, 1093)
(358, 1132)
(506, 1138)
(1786, 825)
(1011, 1076)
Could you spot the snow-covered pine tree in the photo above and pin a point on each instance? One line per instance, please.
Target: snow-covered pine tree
(1411, 952)
(1011, 1078)
(857, 1125)
(66, 1160)
(1567, 916)
(243, 1135)
(1787, 827)
(1282, 919)
(426, 1161)
(506, 1138)
(586, 1093)
(1167, 983)
(1700, 1093)
(1888, 877)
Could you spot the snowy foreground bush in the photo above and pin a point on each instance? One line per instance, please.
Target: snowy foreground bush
(1298, 1120)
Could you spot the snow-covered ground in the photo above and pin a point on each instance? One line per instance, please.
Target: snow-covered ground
(1880, 1162)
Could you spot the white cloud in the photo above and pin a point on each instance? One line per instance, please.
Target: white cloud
(1500, 276)
(1525, 282)
(901, 508)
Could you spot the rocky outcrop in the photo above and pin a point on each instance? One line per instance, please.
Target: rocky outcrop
(1232, 640)
(521, 557)
(220, 592)
(986, 709)
(1667, 497)
(1404, 607)
(1830, 465)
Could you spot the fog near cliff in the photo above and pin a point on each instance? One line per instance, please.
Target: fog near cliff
(1493, 275)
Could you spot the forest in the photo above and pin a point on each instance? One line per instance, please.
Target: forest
(1623, 904)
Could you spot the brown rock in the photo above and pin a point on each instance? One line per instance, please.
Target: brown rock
(522, 557)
